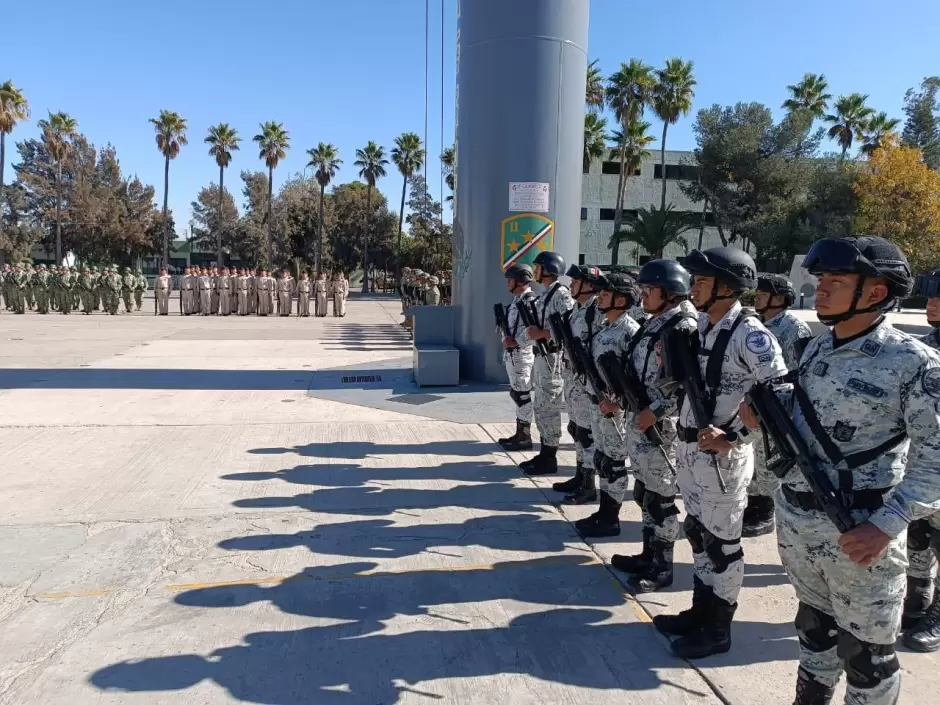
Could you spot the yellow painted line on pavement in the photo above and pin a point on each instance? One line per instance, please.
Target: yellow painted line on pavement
(76, 593)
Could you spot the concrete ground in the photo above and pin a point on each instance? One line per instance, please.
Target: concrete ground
(217, 510)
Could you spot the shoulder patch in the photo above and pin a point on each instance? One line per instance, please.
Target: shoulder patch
(871, 347)
(758, 342)
(932, 382)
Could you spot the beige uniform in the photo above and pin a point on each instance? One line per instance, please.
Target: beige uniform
(304, 287)
(264, 296)
(161, 290)
(322, 290)
(340, 292)
(285, 295)
(242, 290)
(188, 292)
(205, 294)
(253, 293)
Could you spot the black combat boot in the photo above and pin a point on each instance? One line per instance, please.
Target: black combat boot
(520, 440)
(659, 575)
(758, 516)
(916, 601)
(640, 562)
(688, 620)
(925, 637)
(713, 635)
(608, 519)
(810, 691)
(545, 463)
(587, 492)
(571, 484)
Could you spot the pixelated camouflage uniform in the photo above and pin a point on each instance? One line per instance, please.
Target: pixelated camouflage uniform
(547, 384)
(520, 360)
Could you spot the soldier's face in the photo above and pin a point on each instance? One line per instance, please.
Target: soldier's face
(702, 288)
(933, 309)
(762, 300)
(835, 293)
(605, 299)
(652, 298)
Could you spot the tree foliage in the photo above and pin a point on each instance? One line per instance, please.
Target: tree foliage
(922, 126)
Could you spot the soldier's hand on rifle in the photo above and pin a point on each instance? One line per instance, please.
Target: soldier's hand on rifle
(864, 544)
(609, 408)
(645, 420)
(712, 439)
(748, 417)
(536, 333)
(510, 343)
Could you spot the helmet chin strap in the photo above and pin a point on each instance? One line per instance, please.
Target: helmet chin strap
(715, 298)
(832, 319)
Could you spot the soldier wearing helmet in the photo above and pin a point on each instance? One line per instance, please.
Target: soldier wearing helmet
(547, 382)
(714, 464)
(432, 297)
(519, 358)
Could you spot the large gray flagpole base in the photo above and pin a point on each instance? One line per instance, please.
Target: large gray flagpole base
(521, 68)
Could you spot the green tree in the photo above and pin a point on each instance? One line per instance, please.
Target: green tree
(809, 95)
(14, 108)
(213, 213)
(57, 133)
(325, 157)
(371, 163)
(594, 94)
(655, 229)
(595, 139)
(430, 242)
(273, 142)
(922, 126)
(408, 156)
(171, 136)
(631, 142)
(848, 120)
(672, 98)
(878, 128)
(223, 140)
(248, 244)
(449, 166)
(351, 204)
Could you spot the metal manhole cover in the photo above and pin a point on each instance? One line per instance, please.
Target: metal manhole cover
(417, 399)
(361, 379)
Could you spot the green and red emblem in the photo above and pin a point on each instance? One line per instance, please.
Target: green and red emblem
(524, 236)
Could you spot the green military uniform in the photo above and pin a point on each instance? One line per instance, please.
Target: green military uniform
(40, 284)
(115, 287)
(66, 285)
(86, 289)
(141, 288)
(129, 284)
(19, 286)
(28, 291)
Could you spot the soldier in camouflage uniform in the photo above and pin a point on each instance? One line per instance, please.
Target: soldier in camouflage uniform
(28, 292)
(921, 615)
(866, 404)
(433, 295)
(585, 323)
(715, 464)
(547, 386)
(66, 284)
(140, 289)
(519, 357)
(775, 296)
(115, 288)
(616, 294)
(40, 286)
(129, 283)
(664, 288)
(86, 287)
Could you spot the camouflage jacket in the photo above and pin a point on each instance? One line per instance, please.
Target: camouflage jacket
(789, 331)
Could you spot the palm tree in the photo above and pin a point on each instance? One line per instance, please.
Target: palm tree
(325, 157)
(371, 162)
(877, 131)
(594, 95)
(224, 140)
(848, 120)
(809, 94)
(655, 229)
(273, 142)
(628, 93)
(631, 142)
(13, 109)
(56, 133)
(408, 156)
(448, 166)
(672, 98)
(171, 135)
(595, 142)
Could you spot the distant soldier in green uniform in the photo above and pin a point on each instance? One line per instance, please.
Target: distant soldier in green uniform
(40, 286)
(141, 288)
(65, 291)
(129, 284)
(86, 288)
(98, 278)
(115, 287)
(28, 291)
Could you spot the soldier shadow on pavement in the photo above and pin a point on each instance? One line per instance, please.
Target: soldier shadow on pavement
(359, 450)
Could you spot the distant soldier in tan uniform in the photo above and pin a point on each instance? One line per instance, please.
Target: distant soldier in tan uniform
(224, 282)
(322, 291)
(187, 286)
(340, 291)
(285, 293)
(162, 286)
(304, 287)
(205, 292)
(264, 295)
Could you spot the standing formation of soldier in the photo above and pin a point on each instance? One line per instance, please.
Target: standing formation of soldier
(67, 289)
(833, 439)
(417, 288)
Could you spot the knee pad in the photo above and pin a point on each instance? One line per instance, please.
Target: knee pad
(817, 630)
(616, 469)
(866, 665)
(520, 398)
(715, 548)
(639, 493)
(572, 430)
(919, 535)
(693, 532)
(585, 437)
(660, 508)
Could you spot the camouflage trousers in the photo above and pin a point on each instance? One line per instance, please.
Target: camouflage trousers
(579, 413)
(764, 482)
(548, 398)
(519, 368)
(715, 518)
(610, 441)
(922, 561)
(865, 603)
(659, 483)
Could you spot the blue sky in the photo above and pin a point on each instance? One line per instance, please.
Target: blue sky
(347, 71)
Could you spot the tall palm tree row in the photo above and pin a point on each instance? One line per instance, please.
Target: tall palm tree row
(325, 157)
(672, 98)
(594, 93)
(14, 108)
(631, 142)
(273, 142)
(223, 140)
(595, 138)
(57, 132)
(848, 120)
(408, 156)
(371, 163)
(810, 95)
(876, 131)
(170, 130)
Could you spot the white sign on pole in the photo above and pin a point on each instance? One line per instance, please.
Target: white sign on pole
(528, 196)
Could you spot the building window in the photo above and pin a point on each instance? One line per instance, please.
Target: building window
(581, 259)
(676, 172)
(584, 214)
(607, 213)
(610, 168)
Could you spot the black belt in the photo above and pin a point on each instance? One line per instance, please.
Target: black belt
(867, 500)
(686, 435)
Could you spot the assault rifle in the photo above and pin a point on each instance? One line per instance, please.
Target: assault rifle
(527, 312)
(793, 451)
(561, 329)
(680, 365)
(630, 392)
(502, 320)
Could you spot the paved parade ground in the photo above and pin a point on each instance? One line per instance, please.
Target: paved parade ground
(202, 510)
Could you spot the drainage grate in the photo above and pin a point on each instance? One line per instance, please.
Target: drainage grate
(361, 379)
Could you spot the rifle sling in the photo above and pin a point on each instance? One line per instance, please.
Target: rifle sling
(716, 358)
